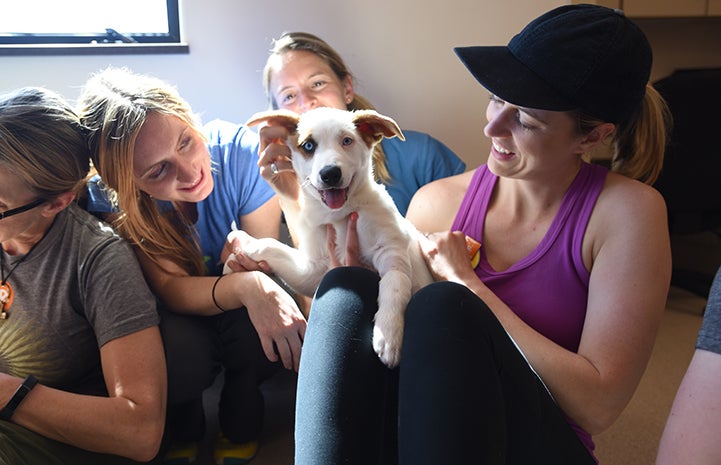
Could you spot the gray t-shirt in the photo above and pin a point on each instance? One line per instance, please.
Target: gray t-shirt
(709, 337)
(78, 288)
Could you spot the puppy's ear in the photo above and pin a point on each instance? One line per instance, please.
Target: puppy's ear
(375, 125)
(285, 118)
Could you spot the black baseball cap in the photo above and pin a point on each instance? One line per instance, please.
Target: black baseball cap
(575, 57)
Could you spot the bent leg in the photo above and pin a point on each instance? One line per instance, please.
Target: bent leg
(193, 363)
(468, 395)
(242, 408)
(341, 396)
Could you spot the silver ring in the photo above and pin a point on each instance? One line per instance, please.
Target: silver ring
(274, 168)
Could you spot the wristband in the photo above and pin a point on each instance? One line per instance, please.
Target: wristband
(27, 385)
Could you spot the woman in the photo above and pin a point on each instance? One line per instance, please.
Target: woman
(541, 345)
(178, 189)
(304, 72)
(82, 373)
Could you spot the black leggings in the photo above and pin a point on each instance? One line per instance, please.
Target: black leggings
(463, 393)
(197, 349)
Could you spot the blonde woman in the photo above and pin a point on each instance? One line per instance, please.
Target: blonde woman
(176, 189)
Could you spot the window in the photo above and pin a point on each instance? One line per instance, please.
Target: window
(83, 24)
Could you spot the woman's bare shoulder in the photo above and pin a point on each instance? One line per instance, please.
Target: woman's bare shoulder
(434, 205)
(627, 211)
(627, 197)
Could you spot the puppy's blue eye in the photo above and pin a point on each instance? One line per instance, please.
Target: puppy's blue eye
(308, 146)
(347, 141)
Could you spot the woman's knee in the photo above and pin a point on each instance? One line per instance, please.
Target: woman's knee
(344, 291)
(444, 300)
(449, 307)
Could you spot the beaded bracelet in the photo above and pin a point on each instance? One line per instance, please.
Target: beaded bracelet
(212, 294)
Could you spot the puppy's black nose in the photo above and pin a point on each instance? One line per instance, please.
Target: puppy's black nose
(331, 175)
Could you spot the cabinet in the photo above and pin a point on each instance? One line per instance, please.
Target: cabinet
(662, 8)
(714, 7)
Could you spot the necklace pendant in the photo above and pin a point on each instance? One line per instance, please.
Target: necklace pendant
(6, 299)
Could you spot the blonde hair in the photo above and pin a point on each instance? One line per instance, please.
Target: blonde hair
(638, 145)
(303, 41)
(113, 105)
(43, 142)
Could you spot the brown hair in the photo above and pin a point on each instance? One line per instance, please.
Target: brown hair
(303, 41)
(638, 145)
(43, 142)
(114, 104)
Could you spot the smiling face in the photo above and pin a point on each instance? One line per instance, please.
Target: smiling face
(301, 80)
(171, 160)
(528, 142)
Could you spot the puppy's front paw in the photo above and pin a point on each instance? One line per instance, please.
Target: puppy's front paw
(388, 337)
(226, 268)
(242, 243)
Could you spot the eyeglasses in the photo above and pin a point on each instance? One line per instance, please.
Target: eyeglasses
(24, 208)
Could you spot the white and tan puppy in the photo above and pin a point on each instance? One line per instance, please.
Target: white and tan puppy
(331, 155)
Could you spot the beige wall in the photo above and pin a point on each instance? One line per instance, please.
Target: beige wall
(400, 51)
(683, 43)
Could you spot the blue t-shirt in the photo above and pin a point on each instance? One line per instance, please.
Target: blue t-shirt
(238, 188)
(415, 162)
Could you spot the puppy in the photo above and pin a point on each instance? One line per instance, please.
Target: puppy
(331, 156)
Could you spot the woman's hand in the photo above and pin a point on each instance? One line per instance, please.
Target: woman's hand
(446, 255)
(277, 319)
(352, 249)
(275, 162)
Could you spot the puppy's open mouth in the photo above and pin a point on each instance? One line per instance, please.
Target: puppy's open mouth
(334, 198)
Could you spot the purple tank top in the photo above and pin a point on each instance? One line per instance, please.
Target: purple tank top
(548, 289)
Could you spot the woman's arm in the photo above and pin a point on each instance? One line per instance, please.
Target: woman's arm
(273, 312)
(627, 249)
(692, 431)
(273, 152)
(275, 315)
(130, 422)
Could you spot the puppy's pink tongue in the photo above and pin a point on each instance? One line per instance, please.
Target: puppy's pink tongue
(334, 198)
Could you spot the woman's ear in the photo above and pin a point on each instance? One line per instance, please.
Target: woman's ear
(596, 136)
(58, 204)
(348, 92)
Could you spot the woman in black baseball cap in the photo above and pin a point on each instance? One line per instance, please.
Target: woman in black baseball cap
(520, 355)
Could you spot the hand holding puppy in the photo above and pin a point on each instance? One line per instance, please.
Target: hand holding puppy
(275, 163)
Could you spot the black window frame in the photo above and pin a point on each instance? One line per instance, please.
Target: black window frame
(109, 37)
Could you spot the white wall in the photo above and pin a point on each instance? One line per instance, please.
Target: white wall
(399, 50)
